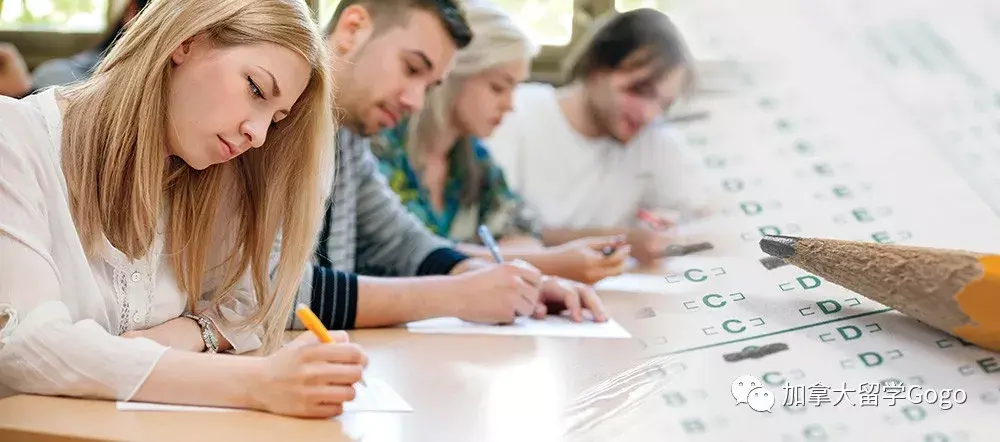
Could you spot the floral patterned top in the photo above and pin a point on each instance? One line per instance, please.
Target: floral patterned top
(497, 206)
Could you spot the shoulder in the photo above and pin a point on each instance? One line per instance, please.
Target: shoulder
(24, 131)
(27, 110)
(29, 163)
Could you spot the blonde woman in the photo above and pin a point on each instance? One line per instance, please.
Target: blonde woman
(443, 173)
(139, 208)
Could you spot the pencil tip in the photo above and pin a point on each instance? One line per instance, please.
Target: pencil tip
(779, 246)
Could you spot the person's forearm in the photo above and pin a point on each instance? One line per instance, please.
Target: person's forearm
(545, 259)
(384, 302)
(513, 247)
(470, 264)
(553, 237)
(521, 242)
(180, 334)
(216, 380)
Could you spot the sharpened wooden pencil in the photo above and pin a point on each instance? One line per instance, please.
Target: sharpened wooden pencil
(955, 291)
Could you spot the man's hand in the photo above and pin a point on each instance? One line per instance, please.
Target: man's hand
(558, 294)
(15, 81)
(498, 293)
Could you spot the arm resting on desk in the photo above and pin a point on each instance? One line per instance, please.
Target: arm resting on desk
(216, 380)
(392, 301)
(45, 347)
(528, 249)
(43, 350)
(345, 301)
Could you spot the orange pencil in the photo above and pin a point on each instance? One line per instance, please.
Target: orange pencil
(312, 322)
(955, 291)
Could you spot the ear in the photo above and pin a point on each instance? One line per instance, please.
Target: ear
(183, 51)
(351, 31)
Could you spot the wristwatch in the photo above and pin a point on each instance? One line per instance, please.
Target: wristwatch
(207, 333)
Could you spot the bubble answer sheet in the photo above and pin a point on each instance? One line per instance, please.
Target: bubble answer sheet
(854, 119)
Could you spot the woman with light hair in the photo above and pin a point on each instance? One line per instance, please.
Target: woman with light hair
(443, 173)
(140, 206)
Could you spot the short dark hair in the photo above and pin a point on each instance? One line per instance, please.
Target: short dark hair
(634, 39)
(394, 12)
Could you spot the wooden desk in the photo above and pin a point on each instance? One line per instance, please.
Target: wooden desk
(462, 388)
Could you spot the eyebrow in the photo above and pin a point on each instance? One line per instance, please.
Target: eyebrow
(423, 58)
(427, 61)
(274, 82)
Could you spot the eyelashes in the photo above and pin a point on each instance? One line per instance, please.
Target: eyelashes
(254, 89)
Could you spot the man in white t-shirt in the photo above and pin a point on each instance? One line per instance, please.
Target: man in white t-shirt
(592, 154)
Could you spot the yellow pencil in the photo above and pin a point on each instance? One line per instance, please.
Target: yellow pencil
(955, 291)
(312, 322)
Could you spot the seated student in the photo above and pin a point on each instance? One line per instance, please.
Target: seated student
(436, 164)
(377, 265)
(590, 154)
(15, 81)
(139, 207)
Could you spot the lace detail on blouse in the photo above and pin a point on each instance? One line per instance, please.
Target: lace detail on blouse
(132, 281)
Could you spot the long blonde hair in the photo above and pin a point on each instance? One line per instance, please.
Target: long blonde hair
(497, 40)
(122, 180)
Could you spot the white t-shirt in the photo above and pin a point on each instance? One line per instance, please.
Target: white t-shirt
(578, 182)
(62, 312)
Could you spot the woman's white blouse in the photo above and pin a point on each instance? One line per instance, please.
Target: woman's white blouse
(61, 313)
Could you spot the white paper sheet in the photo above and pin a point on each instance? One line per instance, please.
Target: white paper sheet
(632, 282)
(552, 325)
(376, 396)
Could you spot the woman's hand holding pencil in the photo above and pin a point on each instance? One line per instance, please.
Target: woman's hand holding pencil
(312, 376)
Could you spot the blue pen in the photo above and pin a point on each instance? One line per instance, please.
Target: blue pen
(490, 243)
